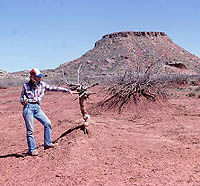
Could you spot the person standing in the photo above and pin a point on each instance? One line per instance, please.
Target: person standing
(31, 97)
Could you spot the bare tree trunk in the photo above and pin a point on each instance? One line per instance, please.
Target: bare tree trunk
(86, 116)
(83, 96)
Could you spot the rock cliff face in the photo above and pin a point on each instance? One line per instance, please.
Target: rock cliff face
(116, 52)
(127, 34)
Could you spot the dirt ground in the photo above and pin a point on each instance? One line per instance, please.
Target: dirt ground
(151, 146)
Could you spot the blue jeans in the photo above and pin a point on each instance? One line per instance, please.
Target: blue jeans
(30, 112)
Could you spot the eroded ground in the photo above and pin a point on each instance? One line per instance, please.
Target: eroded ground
(155, 146)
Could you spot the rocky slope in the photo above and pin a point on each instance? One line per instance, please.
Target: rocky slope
(116, 52)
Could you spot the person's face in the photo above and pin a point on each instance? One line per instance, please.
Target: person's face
(35, 79)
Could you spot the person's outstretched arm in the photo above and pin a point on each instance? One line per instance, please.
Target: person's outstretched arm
(58, 89)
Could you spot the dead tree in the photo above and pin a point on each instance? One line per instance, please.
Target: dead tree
(84, 94)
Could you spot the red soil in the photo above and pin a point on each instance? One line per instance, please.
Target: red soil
(158, 146)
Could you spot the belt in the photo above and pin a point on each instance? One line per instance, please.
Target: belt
(33, 103)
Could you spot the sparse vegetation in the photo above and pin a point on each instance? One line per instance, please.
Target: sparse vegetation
(11, 82)
(150, 83)
(191, 94)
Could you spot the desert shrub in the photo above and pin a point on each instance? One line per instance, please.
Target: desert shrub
(16, 82)
(197, 89)
(193, 83)
(150, 82)
(11, 82)
(191, 94)
(53, 81)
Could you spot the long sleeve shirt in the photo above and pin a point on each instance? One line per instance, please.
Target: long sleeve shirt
(34, 95)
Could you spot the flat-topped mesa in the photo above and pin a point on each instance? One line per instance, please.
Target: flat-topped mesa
(134, 33)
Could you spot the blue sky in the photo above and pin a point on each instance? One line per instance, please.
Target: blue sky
(47, 33)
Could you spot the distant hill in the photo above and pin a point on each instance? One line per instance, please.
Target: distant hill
(116, 52)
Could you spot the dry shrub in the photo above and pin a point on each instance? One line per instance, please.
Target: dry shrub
(151, 83)
(18, 82)
(11, 82)
(191, 94)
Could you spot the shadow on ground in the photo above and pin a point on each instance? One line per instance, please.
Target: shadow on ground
(24, 153)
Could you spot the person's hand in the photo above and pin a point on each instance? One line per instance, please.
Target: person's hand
(25, 102)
